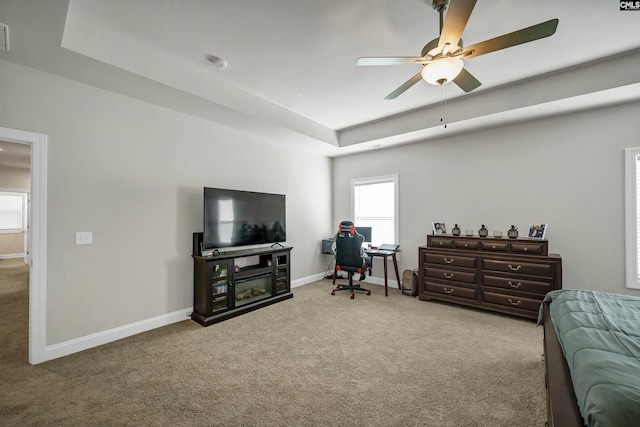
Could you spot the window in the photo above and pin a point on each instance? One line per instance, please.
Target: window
(374, 203)
(13, 212)
(632, 216)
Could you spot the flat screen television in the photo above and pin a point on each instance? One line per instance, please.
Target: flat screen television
(242, 218)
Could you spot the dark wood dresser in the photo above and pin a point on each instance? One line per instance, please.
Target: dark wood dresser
(500, 274)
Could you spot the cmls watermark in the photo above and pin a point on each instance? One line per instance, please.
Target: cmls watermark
(630, 5)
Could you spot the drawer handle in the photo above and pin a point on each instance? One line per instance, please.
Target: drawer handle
(448, 276)
(440, 243)
(514, 268)
(448, 261)
(525, 249)
(448, 291)
(493, 247)
(465, 245)
(514, 303)
(514, 285)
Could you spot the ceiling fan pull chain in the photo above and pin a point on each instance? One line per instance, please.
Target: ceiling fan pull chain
(443, 104)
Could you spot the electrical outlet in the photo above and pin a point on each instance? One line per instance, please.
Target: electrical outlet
(84, 238)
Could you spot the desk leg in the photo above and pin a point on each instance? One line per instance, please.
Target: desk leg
(395, 265)
(386, 292)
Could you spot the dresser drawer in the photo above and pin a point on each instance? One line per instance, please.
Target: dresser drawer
(544, 270)
(530, 304)
(528, 248)
(452, 260)
(467, 244)
(495, 246)
(450, 275)
(441, 243)
(517, 284)
(452, 290)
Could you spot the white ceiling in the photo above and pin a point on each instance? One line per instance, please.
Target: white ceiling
(291, 72)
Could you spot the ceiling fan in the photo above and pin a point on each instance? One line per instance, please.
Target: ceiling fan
(442, 57)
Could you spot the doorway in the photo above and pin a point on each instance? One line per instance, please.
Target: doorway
(37, 241)
(15, 186)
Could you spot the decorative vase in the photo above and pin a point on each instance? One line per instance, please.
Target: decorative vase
(455, 230)
(483, 232)
(513, 232)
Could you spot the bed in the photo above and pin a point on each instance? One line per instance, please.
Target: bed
(592, 358)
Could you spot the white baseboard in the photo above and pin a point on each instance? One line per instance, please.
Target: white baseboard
(305, 280)
(94, 340)
(7, 256)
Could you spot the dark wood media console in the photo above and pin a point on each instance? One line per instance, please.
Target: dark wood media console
(221, 291)
(500, 274)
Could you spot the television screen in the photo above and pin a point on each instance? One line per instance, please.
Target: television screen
(240, 218)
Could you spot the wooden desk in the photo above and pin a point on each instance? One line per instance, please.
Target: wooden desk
(385, 254)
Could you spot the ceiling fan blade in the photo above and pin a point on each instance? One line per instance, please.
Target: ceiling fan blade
(466, 81)
(390, 60)
(457, 16)
(406, 85)
(525, 35)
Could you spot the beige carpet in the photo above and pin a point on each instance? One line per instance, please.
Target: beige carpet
(314, 360)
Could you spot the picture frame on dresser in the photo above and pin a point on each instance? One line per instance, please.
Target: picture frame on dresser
(537, 231)
(439, 228)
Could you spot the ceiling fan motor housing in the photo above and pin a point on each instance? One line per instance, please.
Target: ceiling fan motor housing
(431, 48)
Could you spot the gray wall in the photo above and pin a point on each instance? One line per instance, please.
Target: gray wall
(567, 171)
(133, 173)
(14, 178)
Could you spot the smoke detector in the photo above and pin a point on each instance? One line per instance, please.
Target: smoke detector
(4, 37)
(218, 62)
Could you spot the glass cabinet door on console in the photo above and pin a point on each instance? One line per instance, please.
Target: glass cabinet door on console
(282, 273)
(220, 283)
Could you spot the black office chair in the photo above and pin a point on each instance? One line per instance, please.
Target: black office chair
(349, 257)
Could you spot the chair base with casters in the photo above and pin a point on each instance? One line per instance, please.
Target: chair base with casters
(350, 287)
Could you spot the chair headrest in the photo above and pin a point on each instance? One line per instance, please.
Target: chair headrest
(348, 227)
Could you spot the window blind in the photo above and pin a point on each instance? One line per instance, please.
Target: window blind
(374, 206)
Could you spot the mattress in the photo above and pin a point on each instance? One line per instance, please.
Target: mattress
(600, 337)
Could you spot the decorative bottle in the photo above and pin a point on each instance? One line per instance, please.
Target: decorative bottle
(455, 230)
(513, 232)
(483, 232)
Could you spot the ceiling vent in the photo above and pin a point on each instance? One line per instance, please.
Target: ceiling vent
(4, 37)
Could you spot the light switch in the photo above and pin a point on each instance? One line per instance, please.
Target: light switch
(84, 238)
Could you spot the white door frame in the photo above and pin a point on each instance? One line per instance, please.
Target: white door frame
(38, 261)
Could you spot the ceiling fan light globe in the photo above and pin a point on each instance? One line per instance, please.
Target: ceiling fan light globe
(442, 71)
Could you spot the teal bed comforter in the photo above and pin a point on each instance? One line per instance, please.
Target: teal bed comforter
(600, 336)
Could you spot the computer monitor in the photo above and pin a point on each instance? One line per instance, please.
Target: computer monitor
(366, 232)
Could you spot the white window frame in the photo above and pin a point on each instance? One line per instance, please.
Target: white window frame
(632, 222)
(25, 210)
(376, 180)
